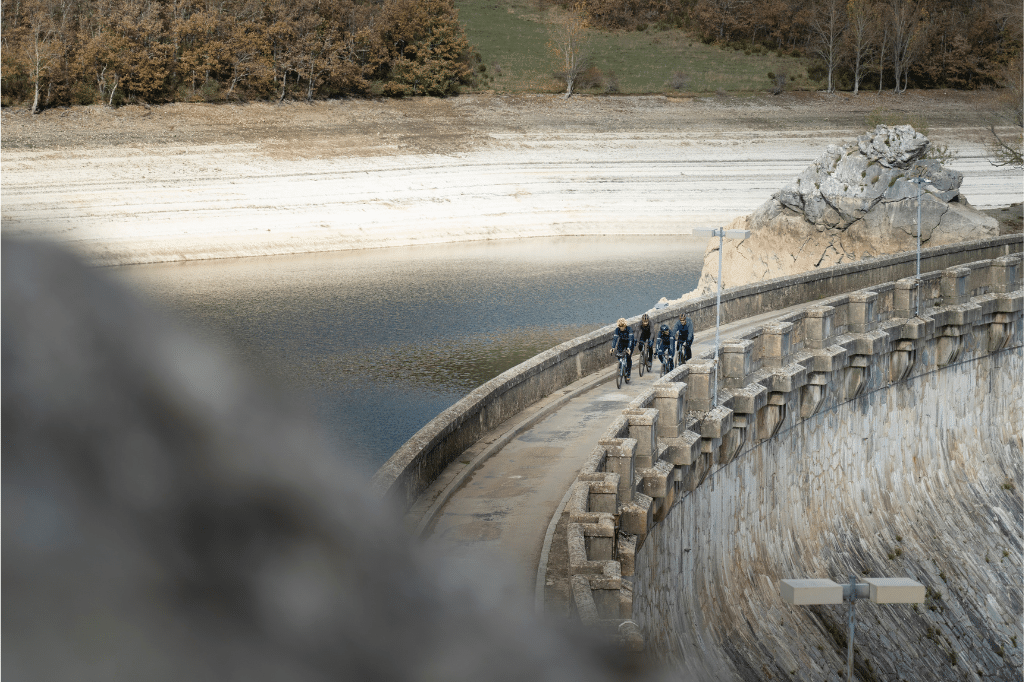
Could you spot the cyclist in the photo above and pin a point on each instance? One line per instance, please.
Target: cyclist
(622, 340)
(645, 337)
(684, 335)
(666, 348)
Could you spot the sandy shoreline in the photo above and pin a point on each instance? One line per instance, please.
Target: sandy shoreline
(646, 169)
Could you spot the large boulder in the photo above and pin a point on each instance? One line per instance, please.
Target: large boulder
(854, 201)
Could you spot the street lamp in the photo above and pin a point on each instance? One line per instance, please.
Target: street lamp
(879, 590)
(721, 233)
(919, 180)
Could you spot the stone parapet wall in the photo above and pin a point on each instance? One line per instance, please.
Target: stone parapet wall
(794, 394)
(417, 463)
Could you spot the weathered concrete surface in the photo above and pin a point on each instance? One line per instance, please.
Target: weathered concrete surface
(922, 480)
(408, 473)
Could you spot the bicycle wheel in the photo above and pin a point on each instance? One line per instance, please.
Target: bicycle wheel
(618, 376)
(643, 362)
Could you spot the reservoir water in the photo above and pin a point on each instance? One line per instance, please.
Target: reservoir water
(383, 340)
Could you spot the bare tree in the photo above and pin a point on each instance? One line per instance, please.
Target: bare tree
(1008, 149)
(882, 44)
(908, 36)
(860, 37)
(570, 44)
(46, 20)
(828, 24)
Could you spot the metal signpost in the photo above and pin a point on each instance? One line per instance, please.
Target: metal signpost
(878, 590)
(721, 233)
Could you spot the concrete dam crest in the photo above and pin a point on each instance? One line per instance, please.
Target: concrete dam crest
(874, 429)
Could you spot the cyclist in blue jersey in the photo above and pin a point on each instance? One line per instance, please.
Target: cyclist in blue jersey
(683, 334)
(666, 347)
(645, 337)
(622, 340)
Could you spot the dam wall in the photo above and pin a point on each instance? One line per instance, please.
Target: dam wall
(917, 480)
(875, 433)
(420, 460)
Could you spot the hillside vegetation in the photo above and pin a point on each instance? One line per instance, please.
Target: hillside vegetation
(61, 52)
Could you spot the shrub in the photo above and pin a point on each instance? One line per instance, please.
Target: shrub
(679, 81)
(778, 81)
(590, 78)
(611, 83)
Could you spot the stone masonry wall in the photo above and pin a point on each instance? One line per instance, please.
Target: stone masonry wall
(918, 480)
(877, 432)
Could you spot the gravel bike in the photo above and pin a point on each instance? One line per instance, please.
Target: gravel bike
(645, 349)
(683, 352)
(622, 355)
(667, 363)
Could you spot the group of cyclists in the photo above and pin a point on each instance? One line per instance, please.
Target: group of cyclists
(666, 343)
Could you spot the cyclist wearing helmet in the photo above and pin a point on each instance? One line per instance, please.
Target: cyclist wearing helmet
(622, 340)
(666, 347)
(645, 336)
(684, 335)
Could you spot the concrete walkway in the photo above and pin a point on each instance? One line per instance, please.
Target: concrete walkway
(498, 507)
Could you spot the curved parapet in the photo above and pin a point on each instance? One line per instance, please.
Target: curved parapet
(876, 433)
(417, 463)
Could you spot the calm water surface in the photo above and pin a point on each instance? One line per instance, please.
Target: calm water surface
(383, 340)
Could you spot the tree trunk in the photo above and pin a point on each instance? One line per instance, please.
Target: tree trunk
(110, 103)
(881, 63)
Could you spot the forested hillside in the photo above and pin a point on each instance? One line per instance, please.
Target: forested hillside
(60, 52)
(83, 51)
(908, 43)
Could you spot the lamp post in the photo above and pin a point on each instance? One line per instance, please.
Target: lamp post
(918, 180)
(879, 590)
(721, 233)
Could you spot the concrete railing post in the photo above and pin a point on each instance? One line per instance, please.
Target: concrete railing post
(862, 312)
(818, 325)
(907, 298)
(954, 286)
(776, 344)
(1005, 274)
(737, 362)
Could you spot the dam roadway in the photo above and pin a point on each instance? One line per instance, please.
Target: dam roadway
(498, 506)
(836, 450)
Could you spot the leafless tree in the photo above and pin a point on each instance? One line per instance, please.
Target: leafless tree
(46, 20)
(883, 42)
(828, 24)
(570, 44)
(1008, 149)
(860, 37)
(909, 32)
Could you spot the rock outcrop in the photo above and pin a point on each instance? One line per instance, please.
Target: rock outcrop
(853, 202)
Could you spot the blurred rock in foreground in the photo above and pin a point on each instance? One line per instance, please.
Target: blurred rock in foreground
(167, 519)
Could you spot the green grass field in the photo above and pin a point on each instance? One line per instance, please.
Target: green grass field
(512, 36)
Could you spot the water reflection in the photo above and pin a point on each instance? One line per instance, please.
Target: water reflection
(385, 339)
